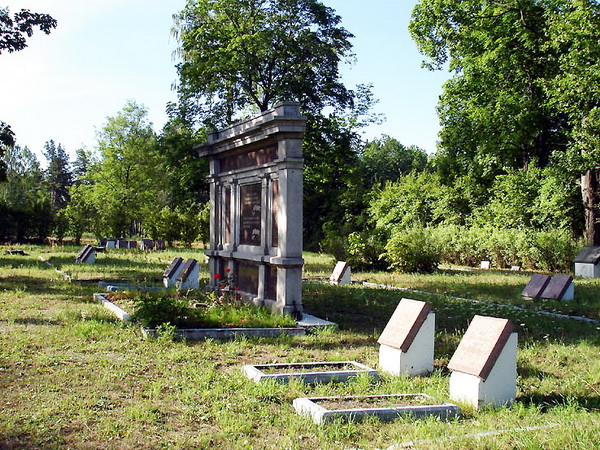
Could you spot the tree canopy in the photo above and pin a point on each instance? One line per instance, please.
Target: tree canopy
(240, 54)
(15, 28)
(524, 89)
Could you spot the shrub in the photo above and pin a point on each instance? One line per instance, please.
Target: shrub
(413, 250)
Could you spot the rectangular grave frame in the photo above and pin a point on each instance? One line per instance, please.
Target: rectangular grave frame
(308, 406)
(264, 152)
(258, 374)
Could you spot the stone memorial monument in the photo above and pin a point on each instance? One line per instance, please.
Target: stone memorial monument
(407, 341)
(484, 366)
(256, 207)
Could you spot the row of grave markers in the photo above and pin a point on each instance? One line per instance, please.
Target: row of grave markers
(144, 244)
(484, 366)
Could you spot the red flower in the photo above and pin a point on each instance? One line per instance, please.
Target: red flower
(216, 276)
(227, 270)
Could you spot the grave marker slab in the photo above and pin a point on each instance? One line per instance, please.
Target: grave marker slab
(587, 262)
(536, 286)
(560, 287)
(407, 341)
(86, 256)
(172, 272)
(121, 243)
(484, 366)
(341, 273)
(188, 277)
(146, 244)
(111, 243)
(485, 264)
(160, 244)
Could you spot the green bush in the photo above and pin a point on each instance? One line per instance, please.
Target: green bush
(413, 250)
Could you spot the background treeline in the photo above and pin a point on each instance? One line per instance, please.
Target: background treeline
(515, 178)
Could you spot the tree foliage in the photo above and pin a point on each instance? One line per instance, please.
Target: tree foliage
(255, 53)
(127, 180)
(524, 90)
(14, 29)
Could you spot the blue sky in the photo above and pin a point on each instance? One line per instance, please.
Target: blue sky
(105, 52)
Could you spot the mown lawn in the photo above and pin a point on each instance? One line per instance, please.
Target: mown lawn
(72, 376)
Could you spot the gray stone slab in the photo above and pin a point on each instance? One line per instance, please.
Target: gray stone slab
(536, 286)
(588, 255)
(198, 334)
(308, 372)
(481, 345)
(313, 408)
(188, 268)
(557, 287)
(173, 267)
(404, 324)
(309, 322)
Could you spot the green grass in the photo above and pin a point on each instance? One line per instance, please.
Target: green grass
(73, 376)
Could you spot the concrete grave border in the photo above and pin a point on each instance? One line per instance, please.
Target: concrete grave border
(256, 372)
(197, 334)
(308, 406)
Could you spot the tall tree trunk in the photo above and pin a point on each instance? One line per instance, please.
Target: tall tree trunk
(589, 194)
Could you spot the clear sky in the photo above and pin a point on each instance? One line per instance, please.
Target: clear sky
(64, 85)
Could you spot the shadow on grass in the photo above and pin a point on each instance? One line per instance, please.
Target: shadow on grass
(367, 310)
(548, 401)
(46, 286)
(37, 321)
(22, 262)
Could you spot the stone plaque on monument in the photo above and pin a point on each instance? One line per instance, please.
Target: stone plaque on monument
(558, 287)
(536, 286)
(480, 346)
(250, 217)
(404, 324)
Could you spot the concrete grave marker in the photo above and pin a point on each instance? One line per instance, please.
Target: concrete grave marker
(188, 277)
(484, 366)
(131, 244)
(122, 243)
(147, 244)
(103, 242)
(111, 243)
(407, 342)
(536, 286)
(587, 262)
(160, 244)
(86, 256)
(515, 268)
(560, 287)
(485, 264)
(172, 272)
(341, 273)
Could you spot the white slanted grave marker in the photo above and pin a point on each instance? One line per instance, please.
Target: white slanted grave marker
(172, 272)
(587, 262)
(486, 265)
(484, 366)
(86, 256)
(406, 343)
(560, 287)
(341, 274)
(188, 277)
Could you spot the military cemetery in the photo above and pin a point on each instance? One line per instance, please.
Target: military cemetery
(290, 257)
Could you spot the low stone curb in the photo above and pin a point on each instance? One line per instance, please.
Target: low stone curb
(260, 372)
(308, 406)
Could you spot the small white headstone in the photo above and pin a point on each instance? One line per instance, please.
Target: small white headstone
(485, 264)
(407, 342)
(515, 268)
(173, 271)
(341, 273)
(188, 277)
(484, 366)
